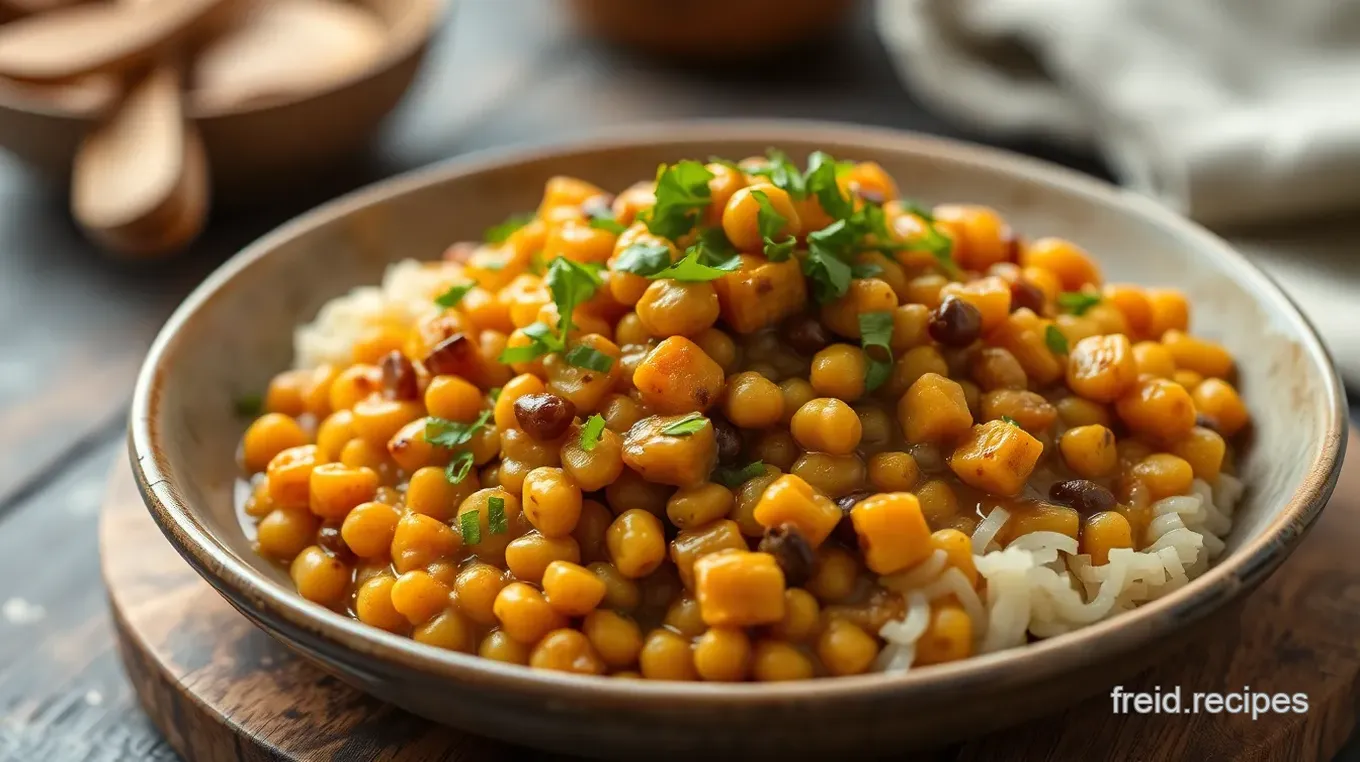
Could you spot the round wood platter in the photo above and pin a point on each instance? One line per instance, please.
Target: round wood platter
(221, 689)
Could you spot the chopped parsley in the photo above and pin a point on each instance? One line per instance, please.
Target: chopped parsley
(591, 359)
(248, 405)
(865, 270)
(499, 233)
(692, 268)
(441, 432)
(454, 295)
(682, 194)
(571, 285)
(495, 515)
(645, 259)
(770, 223)
(735, 477)
(495, 394)
(690, 424)
(458, 468)
(938, 244)
(876, 330)
(470, 526)
(1010, 420)
(1056, 341)
(782, 173)
(606, 221)
(591, 431)
(820, 182)
(825, 264)
(1077, 302)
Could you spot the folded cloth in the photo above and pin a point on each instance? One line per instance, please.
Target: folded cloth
(1230, 111)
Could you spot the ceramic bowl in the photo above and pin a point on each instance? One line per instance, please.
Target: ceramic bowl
(234, 332)
(286, 138)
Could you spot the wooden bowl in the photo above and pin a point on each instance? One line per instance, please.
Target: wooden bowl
(711, 30)
(249, 148)
(235, 331)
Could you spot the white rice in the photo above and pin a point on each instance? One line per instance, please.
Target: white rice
(1040, 585)
(405, 296)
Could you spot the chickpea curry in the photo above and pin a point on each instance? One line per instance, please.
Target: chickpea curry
(729, 424)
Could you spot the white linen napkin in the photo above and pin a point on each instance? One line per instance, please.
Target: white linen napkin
(1230, 111)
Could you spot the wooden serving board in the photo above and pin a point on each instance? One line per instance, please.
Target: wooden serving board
(221, 689)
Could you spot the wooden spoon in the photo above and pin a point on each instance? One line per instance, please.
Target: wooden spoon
(285, 47)
(69, 42)
(139, 182)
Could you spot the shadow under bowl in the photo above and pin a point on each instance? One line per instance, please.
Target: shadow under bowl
(234, 333)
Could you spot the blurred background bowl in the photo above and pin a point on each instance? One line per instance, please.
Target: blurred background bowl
(710, 30)
(252, 150)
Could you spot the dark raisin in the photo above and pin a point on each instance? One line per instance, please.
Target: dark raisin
(330, 541)
(845, 531)
(1027, 295)
(455, 356)
(807, 335)
(399, 377)
(1083, 494)
(792, 552)
(728, 438)
(955, 323)
(544, 417)
(869, 195)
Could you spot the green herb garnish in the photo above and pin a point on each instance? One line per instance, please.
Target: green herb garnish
(454, 295)
(495, 515)
(571, 284)
(1056, 341)
(645, 259)
(824, 265)
(499, 233)
(866, 270)
(1010, 420)
(781, 173)
(441, 432)
(1077, 302)
(820, 181)
(770, 222)
(692, 268)
(735, 477)
(690, 424)
(458, 468)
(607, 222)
(876, 330)
(682, 194)
(470, 524)
(591, 431)
(494, 393)
(248, 405)
(591, 359)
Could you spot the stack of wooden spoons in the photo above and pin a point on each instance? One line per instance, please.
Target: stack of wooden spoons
(141, 177)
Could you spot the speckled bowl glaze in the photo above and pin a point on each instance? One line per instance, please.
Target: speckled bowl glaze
(235, 331)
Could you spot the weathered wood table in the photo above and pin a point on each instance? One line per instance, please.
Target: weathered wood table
(75, 326)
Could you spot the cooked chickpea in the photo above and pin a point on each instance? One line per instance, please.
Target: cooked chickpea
(529, 556)
(499, 646)
(676, 308)
(615, 637)
(839, 371)
(637, 544)
(319, 576)
(846, 649)
(753, 401)
(740, 216)
(566, 650)
(666, 656)
(268, 436)
(827, 425)
(775, 660)
(1089, 450)
(1218, 400)
(722, 655)
(524, 613)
